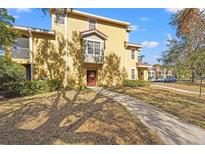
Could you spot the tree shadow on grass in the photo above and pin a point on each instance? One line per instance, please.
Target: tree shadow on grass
(65, 118)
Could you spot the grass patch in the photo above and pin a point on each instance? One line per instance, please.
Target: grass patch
(70, 117)
(187, 107)
(185, 86)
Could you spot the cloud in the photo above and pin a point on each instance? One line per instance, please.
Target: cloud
(151, 44)
(23, 10)
(145, 19)
(16, 16)
(137, 28)
(173, 10)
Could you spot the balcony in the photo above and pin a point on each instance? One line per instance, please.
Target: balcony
(94, 59)
(20, 53)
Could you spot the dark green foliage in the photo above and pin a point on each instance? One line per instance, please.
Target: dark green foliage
(186, 53)
(11, 72)
(25, 88)
(7, 35)
(135, 83)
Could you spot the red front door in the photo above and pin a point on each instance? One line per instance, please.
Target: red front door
(91, 77)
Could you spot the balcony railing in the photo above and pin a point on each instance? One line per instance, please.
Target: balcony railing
(21, 53)
(92, 58)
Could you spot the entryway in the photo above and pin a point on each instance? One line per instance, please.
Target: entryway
(91, 77)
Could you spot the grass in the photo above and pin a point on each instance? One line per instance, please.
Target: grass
(70, 117)
(184, 85)
(188, 107)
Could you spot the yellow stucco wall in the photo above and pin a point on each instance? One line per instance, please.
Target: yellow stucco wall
(146, 74)
(114, 44)
(131, 63)
(116, 36)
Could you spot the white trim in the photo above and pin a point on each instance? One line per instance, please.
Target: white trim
(34, 30)
(89, 39)
(94, 31)
(141, 66)
(129, 29)
(100, 17)
(133, 45)
(86, 50)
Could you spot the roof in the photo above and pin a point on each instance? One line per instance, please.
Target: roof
(97, 17)
(32, 29)
(141, 64)
(90, 31)
(133, 45)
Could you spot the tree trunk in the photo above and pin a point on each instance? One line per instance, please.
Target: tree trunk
(193, 74)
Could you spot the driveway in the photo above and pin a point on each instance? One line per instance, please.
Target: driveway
(169, 127)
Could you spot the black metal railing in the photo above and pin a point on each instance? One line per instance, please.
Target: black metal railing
(22, 53)
(93, 58)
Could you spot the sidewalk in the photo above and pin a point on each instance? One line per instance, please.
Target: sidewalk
(169, 127)
(176, 89)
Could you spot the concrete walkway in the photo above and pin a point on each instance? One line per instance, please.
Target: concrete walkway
(169, 127)
(175, 89)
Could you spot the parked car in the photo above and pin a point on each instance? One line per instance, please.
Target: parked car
(152, 79)
(159, 79)
(170, 79)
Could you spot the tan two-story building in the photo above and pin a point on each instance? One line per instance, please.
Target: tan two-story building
(109, 57)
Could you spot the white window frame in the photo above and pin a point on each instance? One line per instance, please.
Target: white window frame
(131, 51)
(132, 68)
(100, 41)
(89, 23)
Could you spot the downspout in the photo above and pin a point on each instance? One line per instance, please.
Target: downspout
(66, 45)
(31, 53)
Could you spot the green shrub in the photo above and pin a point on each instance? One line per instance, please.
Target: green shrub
(135, 83)
(13, 89)
(11, 72)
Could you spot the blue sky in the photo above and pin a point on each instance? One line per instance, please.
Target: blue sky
(150, 26)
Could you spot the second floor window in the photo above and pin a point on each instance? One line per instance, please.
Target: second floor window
(93, 47)
(92, 24)
(132, 54)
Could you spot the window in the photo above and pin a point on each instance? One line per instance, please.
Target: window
(132, 74)
(92, 24)
(59, 19)
(132, 54)
(93, 47)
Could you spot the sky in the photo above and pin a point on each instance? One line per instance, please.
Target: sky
(150, 26)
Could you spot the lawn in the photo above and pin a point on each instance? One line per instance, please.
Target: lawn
(187, 107)
(184, 85)
(70, 117)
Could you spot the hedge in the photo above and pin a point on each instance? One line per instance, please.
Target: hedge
(135, 83)
(13, 89)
